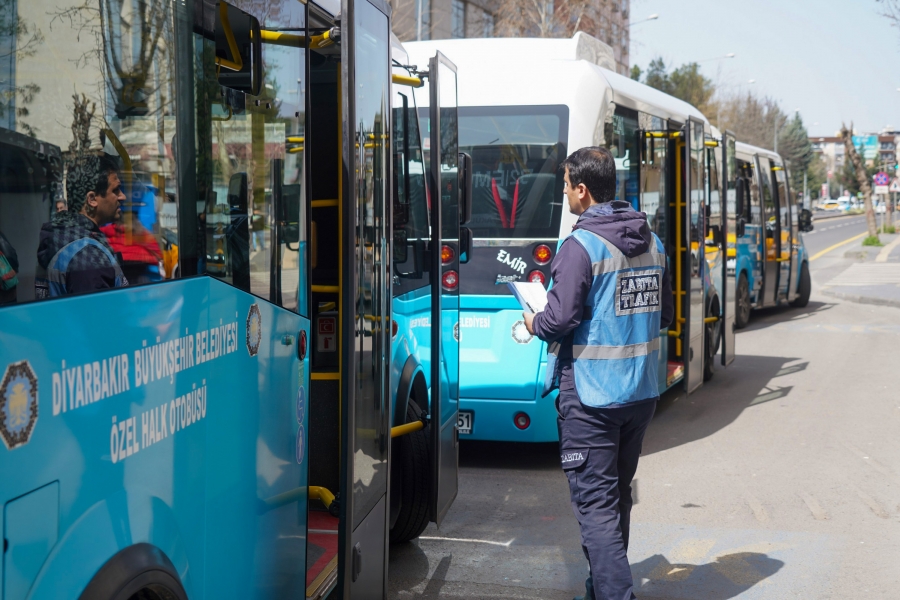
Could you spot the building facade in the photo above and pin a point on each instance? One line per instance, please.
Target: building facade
(444, 19)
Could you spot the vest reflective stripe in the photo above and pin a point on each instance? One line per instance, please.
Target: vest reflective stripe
(615, 353)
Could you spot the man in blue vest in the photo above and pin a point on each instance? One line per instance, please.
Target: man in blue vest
(611, 296)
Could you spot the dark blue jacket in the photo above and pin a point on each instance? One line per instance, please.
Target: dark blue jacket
(628, 230)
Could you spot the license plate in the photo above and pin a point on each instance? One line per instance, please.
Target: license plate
(464, 422)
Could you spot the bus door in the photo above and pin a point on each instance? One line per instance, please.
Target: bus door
(787, 221)
(693, 255)
(714, 246)
(654, 202)
(445, 218)
(771, 233)
(729, 243)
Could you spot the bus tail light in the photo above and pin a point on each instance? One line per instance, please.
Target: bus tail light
(522, 421)
(450, 280)
(537, 277)
(542, 254)
(447, 255)
(394, 328)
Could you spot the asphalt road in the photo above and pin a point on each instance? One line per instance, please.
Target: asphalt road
(778, 479)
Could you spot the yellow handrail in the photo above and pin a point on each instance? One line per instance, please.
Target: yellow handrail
(407, 428)
(320, 493)
(238, 63)
(409, 80)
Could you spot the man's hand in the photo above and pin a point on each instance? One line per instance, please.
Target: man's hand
(529, 317)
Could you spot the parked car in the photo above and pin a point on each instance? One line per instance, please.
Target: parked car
(831, 204)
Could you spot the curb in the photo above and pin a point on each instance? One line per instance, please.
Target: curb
(861, 299)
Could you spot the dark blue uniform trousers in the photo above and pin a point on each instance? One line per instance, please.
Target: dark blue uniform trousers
(599, 450)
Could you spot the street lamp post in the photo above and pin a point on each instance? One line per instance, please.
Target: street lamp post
(652, 17)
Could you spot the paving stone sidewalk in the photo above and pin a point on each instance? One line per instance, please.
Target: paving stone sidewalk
(866, 274)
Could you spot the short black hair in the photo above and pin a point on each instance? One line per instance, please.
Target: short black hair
(87, 173)
(595, 167)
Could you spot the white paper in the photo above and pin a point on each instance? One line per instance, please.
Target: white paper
(531, 295)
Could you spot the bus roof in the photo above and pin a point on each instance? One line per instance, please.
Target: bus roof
(743, 148)
(507, 65)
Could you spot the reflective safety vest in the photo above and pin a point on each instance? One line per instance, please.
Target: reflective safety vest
(615, 349)
(51, 283)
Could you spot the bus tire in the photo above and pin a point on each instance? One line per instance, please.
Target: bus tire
(804, 288)
(711, 343)
(139, 572)
(412, 460)
(742, 303)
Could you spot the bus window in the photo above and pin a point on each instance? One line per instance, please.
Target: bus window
(784, 209)
(622, 143)
(516, 184)
(768, 199)
(713, 199)
(88, 115)
(653, 185)
(250, 182)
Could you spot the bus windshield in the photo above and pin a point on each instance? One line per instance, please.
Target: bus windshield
(516, 151)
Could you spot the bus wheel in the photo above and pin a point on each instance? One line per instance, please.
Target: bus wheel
(742, 304)
(804, 288)
(411, 457)
(139, 572)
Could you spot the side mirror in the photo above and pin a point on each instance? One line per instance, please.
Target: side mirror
(465, 244)
(238, 49)
(805, 220)
(464, 173)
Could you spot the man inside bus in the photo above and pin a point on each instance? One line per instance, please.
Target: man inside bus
(73, 254)
(611, 296)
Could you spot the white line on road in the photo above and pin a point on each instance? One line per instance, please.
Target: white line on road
(814, 507)
(446, 539)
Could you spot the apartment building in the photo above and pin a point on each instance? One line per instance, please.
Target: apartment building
(880, 148)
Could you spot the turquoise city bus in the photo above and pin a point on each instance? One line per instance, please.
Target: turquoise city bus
(517, 123)
(766, 251)
(272, 399)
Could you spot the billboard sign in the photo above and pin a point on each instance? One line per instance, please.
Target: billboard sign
(869, 145)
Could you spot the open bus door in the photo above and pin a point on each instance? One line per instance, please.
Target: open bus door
(729, 226)
(690, 225)
(445, 225)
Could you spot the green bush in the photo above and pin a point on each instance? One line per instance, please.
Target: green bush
(871, 240)
(889, 229)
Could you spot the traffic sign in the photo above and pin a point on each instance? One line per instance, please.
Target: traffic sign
(881, 178)
(895, 186)
(881, 189)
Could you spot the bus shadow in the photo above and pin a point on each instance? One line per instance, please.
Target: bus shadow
(766, 317)
(728, 576)
(509, 455)
(750, 381)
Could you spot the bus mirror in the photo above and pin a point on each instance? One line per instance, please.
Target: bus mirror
(401, 247)
(465, 244)
(805, 221)
(400, 190)
(464, 174)
(238, 49)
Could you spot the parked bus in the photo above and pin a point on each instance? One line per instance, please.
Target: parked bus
(766, 253)
(517, 133)
(256, 421)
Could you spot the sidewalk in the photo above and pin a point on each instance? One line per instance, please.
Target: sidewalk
(865, 274)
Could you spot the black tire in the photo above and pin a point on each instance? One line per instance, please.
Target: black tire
(742, 303)
(412, 457)
(711, 347)
(804, 288)
(139, 572)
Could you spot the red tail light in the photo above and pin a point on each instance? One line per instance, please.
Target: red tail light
(394, 328)
(521, 420)
(450, 280)
(537, 277)
(447, 255)
(542, 254)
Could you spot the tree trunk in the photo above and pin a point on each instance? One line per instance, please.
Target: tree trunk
(860, 169)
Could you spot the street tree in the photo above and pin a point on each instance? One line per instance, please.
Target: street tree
(852, 156)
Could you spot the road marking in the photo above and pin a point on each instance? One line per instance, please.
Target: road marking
(814, 507)
(838, 245)
(447, 539)
(886, 251)
(872, 504)
(758, 510)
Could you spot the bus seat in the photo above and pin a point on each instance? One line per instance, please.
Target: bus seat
(533, 201)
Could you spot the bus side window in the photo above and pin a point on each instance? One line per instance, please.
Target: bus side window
(89, 166)
(768, 195)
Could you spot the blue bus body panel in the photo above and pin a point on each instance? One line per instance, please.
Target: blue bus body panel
(412, 313)
(171, 414)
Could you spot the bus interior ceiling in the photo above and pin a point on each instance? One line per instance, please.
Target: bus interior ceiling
(323, 130)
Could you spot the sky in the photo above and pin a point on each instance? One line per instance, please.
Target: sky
(833, 60)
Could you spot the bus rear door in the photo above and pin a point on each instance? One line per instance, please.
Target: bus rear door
(690, 204)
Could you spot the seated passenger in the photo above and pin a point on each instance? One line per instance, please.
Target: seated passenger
(74, 255)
